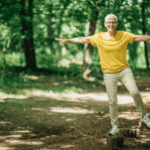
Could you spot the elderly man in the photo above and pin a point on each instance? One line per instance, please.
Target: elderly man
(112, 50)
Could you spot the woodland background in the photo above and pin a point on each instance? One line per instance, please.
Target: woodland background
(53, 96)
(28, 29)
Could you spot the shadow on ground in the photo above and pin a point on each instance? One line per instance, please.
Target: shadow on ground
(73, 120)
(39, 127)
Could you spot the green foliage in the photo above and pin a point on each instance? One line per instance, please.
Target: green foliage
(66, 19)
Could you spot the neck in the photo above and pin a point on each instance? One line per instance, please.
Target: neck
(112, 33)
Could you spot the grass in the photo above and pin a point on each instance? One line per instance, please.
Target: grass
(65, 79)
(17, 88)
(13, 104)
(61, 101)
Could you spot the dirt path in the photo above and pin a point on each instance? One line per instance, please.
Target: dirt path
(70, 121)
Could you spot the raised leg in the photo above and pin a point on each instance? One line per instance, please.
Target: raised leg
(128, 80)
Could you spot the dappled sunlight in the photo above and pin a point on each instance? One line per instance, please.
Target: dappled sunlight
(145, 96)
(83, 97)
(46, 137)
(122, 99)
(105, 116)
(67, 146)
(91, 96)
(66, 82)
(64, 63)
(23, 131)
(75, 100)
(11, 136)
(55, 83)
(14, 96)
(23, 142)
(143, 136)
(70, 119)
(104, 141)
(5, 95)
(76, 110)
(72, 96)
(6, 148)
(2, 100)
(144, 140)
(148, 89)
(52, 90)
(15, 138)
(30, 77)
(41, 109)
(4, 122)
(59, 115)
(35, 92)
(129, 115)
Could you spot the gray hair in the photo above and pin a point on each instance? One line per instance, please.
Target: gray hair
(111, 16)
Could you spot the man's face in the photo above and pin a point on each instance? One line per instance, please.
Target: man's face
(111, 24)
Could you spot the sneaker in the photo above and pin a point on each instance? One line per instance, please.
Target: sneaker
(146, 120)
(113, 131)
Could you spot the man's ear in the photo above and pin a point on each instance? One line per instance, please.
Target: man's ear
(105, 24)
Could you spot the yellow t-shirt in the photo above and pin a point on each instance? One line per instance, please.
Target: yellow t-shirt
(112, 51)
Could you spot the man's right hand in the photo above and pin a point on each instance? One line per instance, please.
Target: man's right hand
(62, 40)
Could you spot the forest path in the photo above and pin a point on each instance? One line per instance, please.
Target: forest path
(55, 114)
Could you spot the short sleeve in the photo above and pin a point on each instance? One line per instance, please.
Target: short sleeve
(129, 37)
(93, 39)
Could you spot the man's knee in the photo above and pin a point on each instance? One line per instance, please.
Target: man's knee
(135, 93)
(113, 104)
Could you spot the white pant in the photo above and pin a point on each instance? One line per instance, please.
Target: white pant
(126, 77)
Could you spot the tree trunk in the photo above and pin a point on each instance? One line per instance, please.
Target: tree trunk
(59, 27)
(27, 32)
(88, 46)
(49, 28)
(49, 33)
(58, 34)
(144, 32)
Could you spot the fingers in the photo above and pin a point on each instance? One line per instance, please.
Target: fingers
(58, 40)
(61, 40)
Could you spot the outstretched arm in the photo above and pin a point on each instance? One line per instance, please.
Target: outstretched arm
(141, 38)
(75, 40)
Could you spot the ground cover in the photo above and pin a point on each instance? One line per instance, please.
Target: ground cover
(54, 112)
